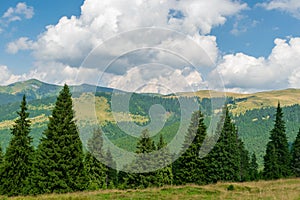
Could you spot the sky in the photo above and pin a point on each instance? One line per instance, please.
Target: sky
(153, 46)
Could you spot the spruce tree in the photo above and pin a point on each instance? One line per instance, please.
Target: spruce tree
(111, 172)
(296, 156)
(1, 157)
(164, 175)
(244, 167)
(277, 159)
(142, 163)
(253, 169)
(224, 160)
(188, 167)
(96, 170)
(19, 155)
(59, 166)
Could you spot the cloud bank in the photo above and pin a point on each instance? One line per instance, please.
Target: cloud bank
(61, 49)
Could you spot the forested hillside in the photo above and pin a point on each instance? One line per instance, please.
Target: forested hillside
(253, 123)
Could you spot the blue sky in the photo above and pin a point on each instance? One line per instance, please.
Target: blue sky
(236, 44)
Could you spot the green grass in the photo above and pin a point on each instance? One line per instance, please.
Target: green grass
(279, 189)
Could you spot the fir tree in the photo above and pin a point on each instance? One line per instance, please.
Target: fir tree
(188, 167)
(277, 159)
(224, 160)
(143, 162)
(244, 167)
(296, 156)
(111, 172)
(271, 167)
(59, 166)
(96, 170)
(164, 175)
(1, 158)
(253, 169)
(19, 154)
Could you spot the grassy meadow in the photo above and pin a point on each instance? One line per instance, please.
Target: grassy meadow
(280, 189)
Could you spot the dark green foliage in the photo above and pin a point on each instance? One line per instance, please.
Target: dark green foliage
(59, 166)
(164, 175)
(255, 124)
(142, 163)
(296, 156)
(111, 172)
(96, 170)
(230, 188)
(188, 167)
(160, 159)
(228, 160)
(277, 159)
(18, 157)
(244, 167)
(253, 168)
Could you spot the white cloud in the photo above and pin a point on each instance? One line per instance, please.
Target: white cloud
(294, 79)
(17, 13)
(158, 78)
(7, 76)
(290, 6)
(22, 43)
(280, 70)
(69, 41)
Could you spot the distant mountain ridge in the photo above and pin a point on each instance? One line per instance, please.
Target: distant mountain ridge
(35, 89)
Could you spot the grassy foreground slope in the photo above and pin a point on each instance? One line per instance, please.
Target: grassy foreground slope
(279, 189)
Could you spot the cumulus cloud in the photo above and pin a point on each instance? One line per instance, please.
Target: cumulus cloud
(290, 6)
(68, 42)
(18, 13)
(158, 78)
(22, 43)
(280, 70)
(7, 76)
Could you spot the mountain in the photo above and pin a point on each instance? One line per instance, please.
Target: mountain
(244, 102)
(252, 113)
(35, 89)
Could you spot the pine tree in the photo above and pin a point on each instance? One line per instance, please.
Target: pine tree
(19, 155)
(111, 172)
(253, 169)
(1, 157)
(277, 159)
(296, 156)
(164, 175)
(271, 167)
(59, 166)
(96, 170)
(244, 167)
(188, 167)
(142, 163)
(224, 160)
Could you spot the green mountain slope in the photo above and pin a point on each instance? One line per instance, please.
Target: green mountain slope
(252, 113)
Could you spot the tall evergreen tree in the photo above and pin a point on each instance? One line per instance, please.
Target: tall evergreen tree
(253, 169)
(244, 167)
(1, 157)
(19, 155)
(59, 166)
(224, 160)
(188, 167)
(164, 175)
(296, 156)
(143, 161)
(277, 159)
(111, 172)
(96, 170)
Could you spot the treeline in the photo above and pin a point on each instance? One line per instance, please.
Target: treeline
(60, 164)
